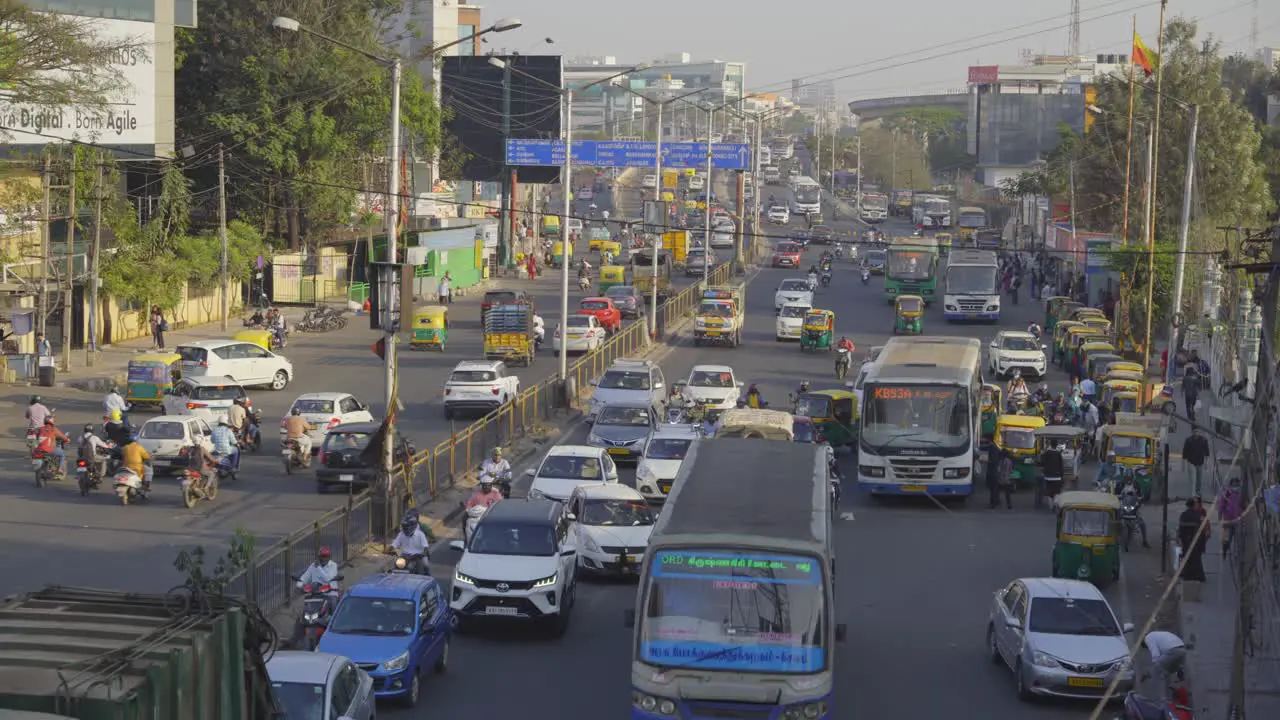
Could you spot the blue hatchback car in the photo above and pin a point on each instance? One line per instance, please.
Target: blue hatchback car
(395, 628)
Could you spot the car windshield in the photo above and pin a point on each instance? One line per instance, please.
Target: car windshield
(570, 467)
(794, 286)
(668, 448)
(715, 308)
(473, 376)
(216, 392)
(1130, 446)
(622, 415)
(163, 431)
(1019, 344)
(303, 701)
(616, 512)
(347, 440)
(777, 210)
(1012, 438)
(193, 354)
(579, 321)
(788, 248)
(1085, 522)
(594, 305)
(374, 616)
(711, 379)
(625, 294)
(875, 256)
(310, 406)
(502, 538)
(794, 311)
(1071, 616)
(624, 380)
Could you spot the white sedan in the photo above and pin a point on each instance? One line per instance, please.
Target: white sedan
(612, 523)
(779, 215)
(565, 467)
(585, 335)
(325, 410)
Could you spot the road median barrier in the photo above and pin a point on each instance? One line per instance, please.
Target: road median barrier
(534, 415)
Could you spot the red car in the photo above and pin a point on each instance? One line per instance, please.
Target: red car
(604, 310)
(787, 254)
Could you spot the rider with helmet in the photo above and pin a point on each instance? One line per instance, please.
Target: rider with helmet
(412, 544)
(36, 413)
(498, 470)
(845, 344)
(225, 443)
(1042, 394)
(1017, 386)
(754, 400)
(94, 451)
(485, 493)
(1034, 329)
(49, 441)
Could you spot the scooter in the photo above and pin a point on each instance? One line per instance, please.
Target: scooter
(292, 454)
(866, 276)
(474, 513)
(842, 363)
(826, 279)
(195, 488)
(129, 486)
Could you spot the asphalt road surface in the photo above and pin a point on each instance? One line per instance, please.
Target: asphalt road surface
(917, 579)
(53, 536)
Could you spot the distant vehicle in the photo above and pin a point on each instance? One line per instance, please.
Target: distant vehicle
(649, 181)
(320, 685)
(1016, 350)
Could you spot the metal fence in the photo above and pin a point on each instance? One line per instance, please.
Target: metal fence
(348, 529)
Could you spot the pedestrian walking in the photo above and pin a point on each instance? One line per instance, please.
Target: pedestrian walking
(1191, 391)
(158, 327)
(43, 347)
(999, 481)
(1195, 451)
(1229, 506)
(1193, 540)
(531, 264)
(443, 290)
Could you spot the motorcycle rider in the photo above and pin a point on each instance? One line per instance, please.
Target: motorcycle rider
(115, 429)
(813, 277)
(225, 444)
(1106, 470)
(539, 330)
(1042, 394)
(1017, 386)
(134, 457)
(1034, 329)
(485, 493)
(845, 344)
(1051, 468)
(497, 468)
(93, 451)
(295, 430)
(754, 400)
(324, 571)
(246, 431)
(1131, 493)
(36, 413)
(200, 462)
(49, 441)
(112, 401)
(412, 544)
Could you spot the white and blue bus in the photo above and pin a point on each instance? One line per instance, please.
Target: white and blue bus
(808, 196)
(920, 420)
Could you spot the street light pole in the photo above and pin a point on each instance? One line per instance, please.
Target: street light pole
(657, 244)
(392, 207)
(1184, 229)
(707, 188)
(566, 182)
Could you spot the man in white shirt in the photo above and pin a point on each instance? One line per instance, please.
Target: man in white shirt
(1089, 389)
(412, 544)
(113, 401)
(499, 470)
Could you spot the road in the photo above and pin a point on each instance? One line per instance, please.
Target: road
(52, 535)
(918, 578)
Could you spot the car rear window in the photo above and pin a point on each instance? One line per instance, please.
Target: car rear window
(579, 321)
(347, 440)
(794, 286)
(595, 305)
(192, 354)
(311, 406)
(163, 431)
(473, 376)
(789, 248)
(217, 392)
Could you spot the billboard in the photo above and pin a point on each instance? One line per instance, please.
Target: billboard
(984, 74)
(471, 92)
(128, 119)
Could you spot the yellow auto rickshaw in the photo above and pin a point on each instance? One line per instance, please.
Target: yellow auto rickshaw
(1135, 377)
(834, 414)
(1111, 387)
(818, 330)
(1134, 448)
(1077, 338)
(550, 226)
(264, 339)
(1127, 401)
(1091, 349)
(1051, 307)
(1095, 366)
(1087, 546)
(612, 276)
(944, 243)
(1016, 435)
(597, 235)
(992, 406)
(612, 248)
(1067, 308)
(908, 313)
(430, 328)
(1098, 322)
(150, 377)
(558, 253)
(1060, 331)
(1122, 366)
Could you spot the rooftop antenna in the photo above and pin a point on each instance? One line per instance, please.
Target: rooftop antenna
(1073, 40)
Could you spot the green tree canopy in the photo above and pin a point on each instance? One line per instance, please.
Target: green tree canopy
(301, 116)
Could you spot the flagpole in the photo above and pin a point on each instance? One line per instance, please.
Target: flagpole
(1151, 221)
(1122, 313)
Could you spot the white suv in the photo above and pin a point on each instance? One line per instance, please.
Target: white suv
(520, 563)
(628, 382)
(482, 386)
(1012, 350)
(779, 215)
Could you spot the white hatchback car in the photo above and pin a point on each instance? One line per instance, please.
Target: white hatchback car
(585, 335)
(565, 467)
(167, 438)
(326, 410)
(208, 398)
(612, 524)
(246, 363)
(714, 385)
(663, 455)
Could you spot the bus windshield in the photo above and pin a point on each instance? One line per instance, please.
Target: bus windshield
(933, 418)
(720, 609)
(910, 265)
(808, 194)
(972, 220)
(971, 280)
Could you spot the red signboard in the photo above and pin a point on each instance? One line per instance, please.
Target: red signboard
(984, 74)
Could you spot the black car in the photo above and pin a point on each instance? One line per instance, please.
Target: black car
(804, 237)
(628, 300)
(822, 235)
(343, 459)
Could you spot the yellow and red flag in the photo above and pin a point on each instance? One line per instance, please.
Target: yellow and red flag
(1143, 57)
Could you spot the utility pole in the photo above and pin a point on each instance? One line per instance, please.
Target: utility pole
(222, 234)
(505, 222)
(1184, 230)
(68, 287)
(91, 347)
(46, 240)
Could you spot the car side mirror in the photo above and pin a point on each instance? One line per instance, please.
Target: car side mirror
(629, 617)
(1127, 628)
(457, 545)
(530, 472)
(741, 384)
(1044, 347)
(1013, 623)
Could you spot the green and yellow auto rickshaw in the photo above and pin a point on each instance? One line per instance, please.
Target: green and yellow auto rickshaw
(1134, 447)
(1051, 307)
(1112, 388)
(944, 243)
(1087, 546)
(1095, 367)
(1016, 435)
(818, 330)
(430, 328)
(1098, 322)
(1060, 335)
(1067, 308)
(1127, 401)
(908, 311)
(150, 377)
(558, 254)
(1078, 337)
(612, 276)
(1091, 349)
(834, 414)
(992, 405)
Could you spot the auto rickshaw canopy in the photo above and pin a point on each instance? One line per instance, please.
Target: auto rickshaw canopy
(1128, 442)
(431, 317)
(819, 320)
(615, 274)
(1017, 432)
(1087, 517)
(1066, 308)
(261, 338)
(909, 305)
(1053, 305)
(1083, 313)
(1124, 366)
(1123, 376)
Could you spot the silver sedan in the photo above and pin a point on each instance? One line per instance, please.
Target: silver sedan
(621, 429)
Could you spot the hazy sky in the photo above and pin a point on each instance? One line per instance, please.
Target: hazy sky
(870, 48)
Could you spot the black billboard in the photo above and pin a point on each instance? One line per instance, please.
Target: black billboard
(471, 92)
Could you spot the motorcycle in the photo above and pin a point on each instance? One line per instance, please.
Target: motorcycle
(322, 319)
(292, 454)
(89, 474)
(279, 337)
(866, 276)
(318, 602)
(46, 468)
(843, 360)
(584, 283)
(195, 488)
(503, 483)
(826, 279)
(813, 282)
(129, 486)
(1129, 504)
(250, 438)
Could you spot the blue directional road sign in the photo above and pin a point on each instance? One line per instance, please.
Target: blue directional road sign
(606, 153)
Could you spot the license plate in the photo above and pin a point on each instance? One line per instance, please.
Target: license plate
(619, 451)
(347, 478)
(913, 488)
(499, 610)
(286, 451)
(633, 559)
(712, 333)
(1084, 682)
(36, 464)
(313, 426)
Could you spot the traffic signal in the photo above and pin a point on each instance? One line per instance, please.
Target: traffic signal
(380, 348)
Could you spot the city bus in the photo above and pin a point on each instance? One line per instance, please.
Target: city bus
(911, 268)
(735, 612)
(808, 196)
(920, 418)
(971, 289)
(969, 220)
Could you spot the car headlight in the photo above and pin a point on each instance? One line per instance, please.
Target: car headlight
(535, 494)
(1042, 660)
(1124, 665)
(590, 544)
(546, 581)
(594, 439)
(397, 663)
(643, 472)
(459, 578)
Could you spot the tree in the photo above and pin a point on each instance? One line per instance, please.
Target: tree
(57, 60)
(1252, 82)
(299, 113)
(893, 158)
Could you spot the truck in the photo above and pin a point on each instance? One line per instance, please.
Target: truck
(642, 273)
(735, 612)
(902, 200)
(102, 654)
(721, 316)
(972, 288)
(509, 334)
(873, 207)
